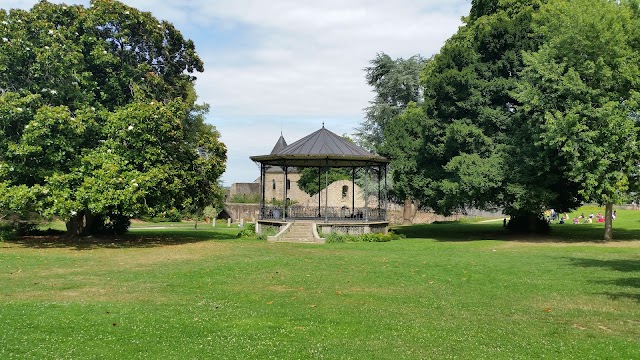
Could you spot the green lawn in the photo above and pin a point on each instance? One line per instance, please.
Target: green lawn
(460, 290)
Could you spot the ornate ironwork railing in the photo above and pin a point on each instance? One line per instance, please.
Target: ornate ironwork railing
(330, 213)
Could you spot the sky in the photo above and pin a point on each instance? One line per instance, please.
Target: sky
(288, 66)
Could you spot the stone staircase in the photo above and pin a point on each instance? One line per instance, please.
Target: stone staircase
(299, 232)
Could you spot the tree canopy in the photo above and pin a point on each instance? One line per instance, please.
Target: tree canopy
(98, 116)
(582, 87)
(532, 104)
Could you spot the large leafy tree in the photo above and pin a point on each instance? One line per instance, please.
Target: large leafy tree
(395, 83)
(98, 116)
(397, 86)
(581, 87)
(478, 150)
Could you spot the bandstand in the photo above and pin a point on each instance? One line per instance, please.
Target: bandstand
(324, 150)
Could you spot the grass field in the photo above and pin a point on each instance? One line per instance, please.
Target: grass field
(456, 291)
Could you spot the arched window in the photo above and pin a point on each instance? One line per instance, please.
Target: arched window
(273, 182)
(345, 191)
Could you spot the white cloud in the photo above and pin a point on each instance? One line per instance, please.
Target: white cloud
(296, 62)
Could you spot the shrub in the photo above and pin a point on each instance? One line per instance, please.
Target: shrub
(246, 199)
(112, 224)
(22, 228)
(370, 237)
(248, 231)
(528, 223)
(267, 231)
(7, 233)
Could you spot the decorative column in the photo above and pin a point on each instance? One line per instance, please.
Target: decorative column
(284, 206)
(262, 186)
(366, 193)
(326, 190)
(353, 192)
(319, 192)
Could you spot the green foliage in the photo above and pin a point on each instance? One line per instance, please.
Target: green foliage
(267, 231)
(248, 231)
(111, 224)
(7, 232)
(527, 223)
(396, 84)
(98, 116)
(171, 215)
(582, 86)
(309, 178)
(210, 212)
(337, 237)
(246, 198)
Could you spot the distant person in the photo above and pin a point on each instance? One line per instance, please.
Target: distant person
(591, 216)
(576, 220)
(589, 220)
(582, 216)
(600, 219)
(561, 220)
(613, 216)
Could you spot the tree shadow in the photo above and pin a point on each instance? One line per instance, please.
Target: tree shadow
(619, 265)
(566, 233)
(136, 239)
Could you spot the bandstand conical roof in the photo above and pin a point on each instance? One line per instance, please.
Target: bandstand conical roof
(321, 148)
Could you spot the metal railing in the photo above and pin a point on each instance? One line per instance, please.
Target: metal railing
(330, 213)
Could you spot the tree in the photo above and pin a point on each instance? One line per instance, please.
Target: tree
(581, 86)
(396, 84)
(478, 150)
(98, 120)
(308, 181)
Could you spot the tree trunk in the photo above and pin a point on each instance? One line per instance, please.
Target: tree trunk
(608, 222)
(80, 224)
(407, 212)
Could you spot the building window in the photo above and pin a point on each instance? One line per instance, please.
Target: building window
(273, 182)
(345, 191)
(288, 184)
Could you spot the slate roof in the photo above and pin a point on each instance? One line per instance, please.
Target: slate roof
(320, 148)
(281, 144)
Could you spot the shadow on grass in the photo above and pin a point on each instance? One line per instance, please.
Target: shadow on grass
(565, 233)
(134, 239)
(618, 265)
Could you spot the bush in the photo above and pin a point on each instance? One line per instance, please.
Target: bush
(165, 216)
(248, 231)
(112, 224)
(370, 237)
(529, 223)
(268, 231)
(7, 233)
(22, 228)
(246, 199)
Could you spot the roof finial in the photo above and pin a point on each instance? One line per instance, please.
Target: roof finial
(323, 124)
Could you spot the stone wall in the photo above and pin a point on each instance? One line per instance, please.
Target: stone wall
(248, 212)
(244, 189)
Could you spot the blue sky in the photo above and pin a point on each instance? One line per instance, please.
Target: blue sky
(291, 65)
